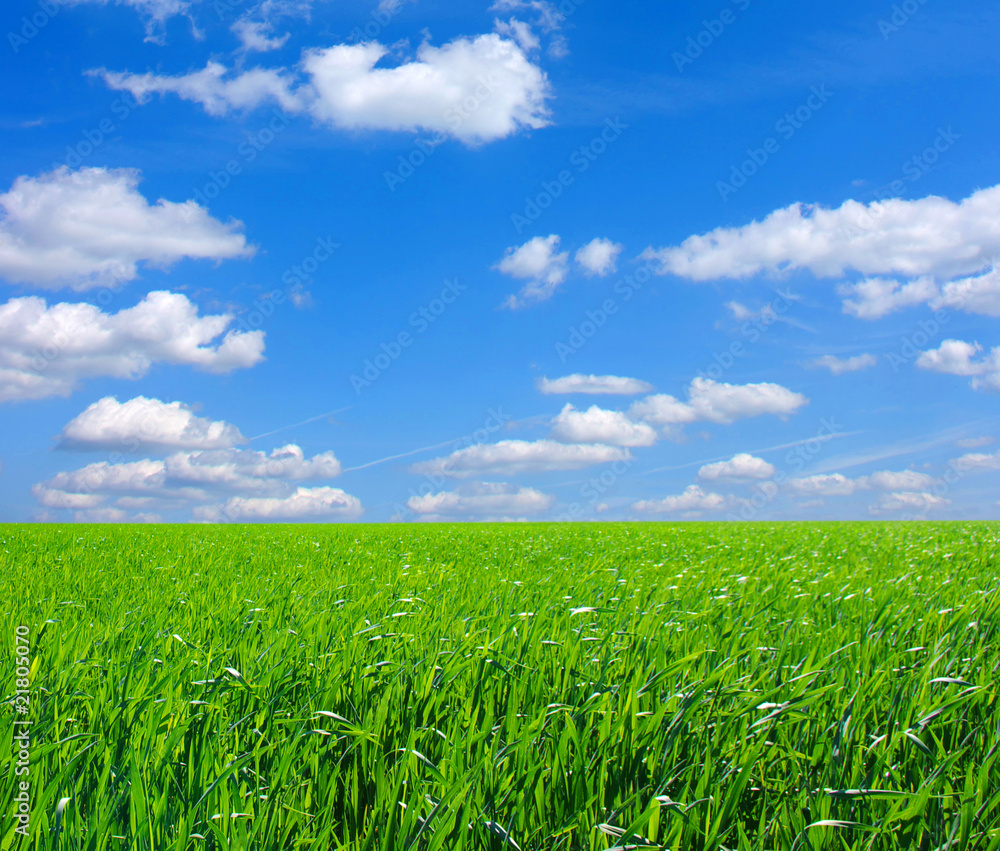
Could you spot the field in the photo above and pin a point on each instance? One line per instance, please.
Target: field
(696, 686)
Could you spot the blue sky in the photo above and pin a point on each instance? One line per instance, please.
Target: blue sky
(323, 261)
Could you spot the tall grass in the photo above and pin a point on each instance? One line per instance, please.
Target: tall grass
(518, 687)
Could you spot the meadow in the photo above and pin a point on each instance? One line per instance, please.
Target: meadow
(516, 686)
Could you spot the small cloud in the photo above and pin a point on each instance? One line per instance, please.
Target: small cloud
(838, 366)
(599, 257)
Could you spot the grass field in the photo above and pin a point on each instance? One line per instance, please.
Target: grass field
(687, 686)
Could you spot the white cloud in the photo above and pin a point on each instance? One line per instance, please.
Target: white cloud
(92, 485)
(511, 457)
(538, 262)
(694, 499)
(907, 501)
(141, 424)
(597, 425)
(930, 250)
(520, 32)
(955, 357)
(47, 350)
(256, 35)
(595, 385)
(90, 227)
(711, 401)
(248, 470)
(547, 17)
(220, 484)
(304, 504)
(835, 484)
(974, 294)
(978, 461)
(910, 480)
(155, 11)
(838, 366)
(874, 298)
(599, 256)
(930, 236)
(473, 89)
(483, 499)
(113, 515)
(741, 466)
(215, 88)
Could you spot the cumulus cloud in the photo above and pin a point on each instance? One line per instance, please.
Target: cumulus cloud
(304, 504)
(910, 480)
(740, 466)
(597, 425)
(908, 501)
(904, 250)
(473, 89)
(483, 499)
(715, 402)
(47, 350)
(930, 236)
(874, 298)
(599, 257)
(838, 366)
(693, 500)
(540, 263)
(955, 357)
(837, 484)
(511, 457)
(91, 227)
(973, 294)
(221, 484)
(595, 385)
(142, 424)
(248, 470)
(976, 461)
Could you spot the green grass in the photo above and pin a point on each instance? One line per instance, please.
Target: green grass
(700, 686)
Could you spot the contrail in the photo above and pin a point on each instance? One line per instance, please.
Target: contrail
(429, 448)
(401, 455)
(304, 422)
